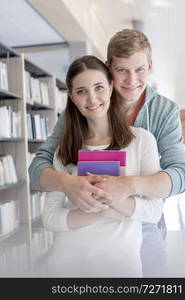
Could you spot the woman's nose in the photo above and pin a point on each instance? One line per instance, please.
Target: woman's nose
(91, 98)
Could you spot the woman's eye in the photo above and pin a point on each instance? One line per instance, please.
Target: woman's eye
(99, 88)
(80, 92)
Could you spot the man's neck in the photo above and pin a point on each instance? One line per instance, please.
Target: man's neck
(129, 107)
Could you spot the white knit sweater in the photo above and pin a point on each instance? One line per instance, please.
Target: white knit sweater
(106, 248)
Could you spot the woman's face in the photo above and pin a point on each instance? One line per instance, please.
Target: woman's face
(91, 93)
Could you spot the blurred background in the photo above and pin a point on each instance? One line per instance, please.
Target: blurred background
(51, 33)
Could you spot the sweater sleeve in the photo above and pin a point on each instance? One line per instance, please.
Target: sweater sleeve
(148, 209)
(171, 149)
(44, 156)
(54, 215)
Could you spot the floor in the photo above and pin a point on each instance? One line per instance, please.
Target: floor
(174, 211)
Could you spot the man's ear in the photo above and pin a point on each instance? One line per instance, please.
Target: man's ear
(107, 65)
(150, 66)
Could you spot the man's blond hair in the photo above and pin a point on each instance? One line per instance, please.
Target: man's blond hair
(126, 43)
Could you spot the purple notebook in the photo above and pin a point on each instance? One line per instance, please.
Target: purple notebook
(99, 167)
(103, 155)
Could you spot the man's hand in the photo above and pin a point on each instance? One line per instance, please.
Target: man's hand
(118, 187)
(82, 191)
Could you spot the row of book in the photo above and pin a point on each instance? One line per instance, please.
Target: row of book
(8, 173)
(61, 100)
(108, 162)
(37, 126)
(9, 216)
(3, 76)
(37, 204)
(9, 122)
(36, 90)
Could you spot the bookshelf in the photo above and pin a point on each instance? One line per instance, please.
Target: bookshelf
(30, 101)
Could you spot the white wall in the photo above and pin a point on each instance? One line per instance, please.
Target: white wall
(160, 30)
(179, 56)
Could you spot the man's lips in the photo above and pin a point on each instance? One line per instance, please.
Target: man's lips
(131, 89)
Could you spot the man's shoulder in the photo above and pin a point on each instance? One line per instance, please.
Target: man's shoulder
(158, 100)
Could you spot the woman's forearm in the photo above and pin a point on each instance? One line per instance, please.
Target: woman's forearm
(76, 218)
(125, 206)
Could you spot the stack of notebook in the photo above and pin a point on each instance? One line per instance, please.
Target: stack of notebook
(109, 162)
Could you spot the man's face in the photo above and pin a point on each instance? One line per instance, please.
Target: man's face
(130, 76)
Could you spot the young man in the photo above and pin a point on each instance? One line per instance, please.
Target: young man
(129, 59)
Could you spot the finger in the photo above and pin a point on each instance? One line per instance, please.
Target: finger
(90, 204)
(104, 176)
(95, 204)
(101, 193)
(104, 201)
(94, 178)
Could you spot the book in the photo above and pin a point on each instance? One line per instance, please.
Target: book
(99, 167)
(103, 155)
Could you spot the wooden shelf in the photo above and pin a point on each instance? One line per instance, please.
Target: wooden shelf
(36, 141)
(6, 95)
(4, 139)
(12, 185)
(38, 106)
(6, 52)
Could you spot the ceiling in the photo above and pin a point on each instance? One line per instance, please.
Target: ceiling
(38, 22)
(21, 25)
(117, 14)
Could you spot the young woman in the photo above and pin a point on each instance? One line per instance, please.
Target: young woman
(101, 243)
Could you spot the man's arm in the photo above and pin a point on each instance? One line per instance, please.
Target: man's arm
(44, 158)
(44, 177)
(171, 149)
(171, 179)
(150, 183)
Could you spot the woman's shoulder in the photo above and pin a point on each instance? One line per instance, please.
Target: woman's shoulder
(143, 135)
(58, 165)
(140, 132)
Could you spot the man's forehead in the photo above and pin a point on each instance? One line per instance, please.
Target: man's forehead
(138, 59)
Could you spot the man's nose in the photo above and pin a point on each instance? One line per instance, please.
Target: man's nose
(131, 78)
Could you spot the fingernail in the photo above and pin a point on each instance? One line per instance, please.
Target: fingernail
(105, 206)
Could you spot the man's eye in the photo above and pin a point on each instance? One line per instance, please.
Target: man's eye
(140, 69)
(122, 70)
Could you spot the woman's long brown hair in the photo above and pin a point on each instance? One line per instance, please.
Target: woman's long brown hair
(76, 128)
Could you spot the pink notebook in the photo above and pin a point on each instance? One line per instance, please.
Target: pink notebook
(103, 155)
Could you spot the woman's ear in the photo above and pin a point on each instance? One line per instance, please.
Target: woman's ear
(111, 87)
(71, 96)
